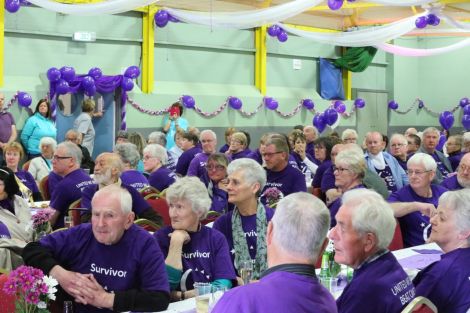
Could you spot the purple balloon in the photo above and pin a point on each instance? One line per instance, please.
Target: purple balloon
(339, 106)
(24, 99)
(331, 116)
(421, 22)
(335, 4)
(53, 74)
(393, 105)
(12, 6)
(420, 104)
(235, 103)
(68, 73)
(173, 19)
(274, 30)
(267, 100)
(127, 84)
(272, 105)
(95, 73)
(132, 72)
(464, 102)
(318, 122)
(432, 19)
(446, 119)
(359, 103)
(308, 104)
(282, 36)
(90, 91)
(88, 82)
(466, 121)
(188, 101)
(466, 109)
(62, 87)
(161, 18)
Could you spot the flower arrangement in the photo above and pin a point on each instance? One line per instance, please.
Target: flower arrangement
(32, 288)
(272, 195)
(41, 224)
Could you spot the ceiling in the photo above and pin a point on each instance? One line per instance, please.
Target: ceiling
(358, 13)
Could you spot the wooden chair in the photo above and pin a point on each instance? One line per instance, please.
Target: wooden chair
(147, 224)
(420, 305)
(7, 302)
(74, 213)
(397, 241)
(26, 165)
(149, 191)
(44, 188)
(160, 206)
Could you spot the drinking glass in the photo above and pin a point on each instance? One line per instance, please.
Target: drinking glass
(203, 294)
(246, 271)
(68, 221)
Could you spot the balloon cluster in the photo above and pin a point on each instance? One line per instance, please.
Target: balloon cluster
(132, 72)
(337, 4)
(331, 115)
(270, 103)
(162, 17)
(430, 19)
(61, 78)
(465, 104)
(446, 119)
(276, 31)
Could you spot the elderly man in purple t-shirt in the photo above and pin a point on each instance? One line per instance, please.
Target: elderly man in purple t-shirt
(462, 179)
(429, 143)
(364, 229)
(197, 167)
(289, 284)
(108, 265)
(7, 127)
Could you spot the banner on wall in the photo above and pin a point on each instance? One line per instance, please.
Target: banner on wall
(331, 81)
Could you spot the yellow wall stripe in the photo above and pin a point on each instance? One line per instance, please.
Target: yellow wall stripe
(260, 59)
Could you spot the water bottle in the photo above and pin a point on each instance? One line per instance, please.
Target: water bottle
(68, 307)
(325, 265)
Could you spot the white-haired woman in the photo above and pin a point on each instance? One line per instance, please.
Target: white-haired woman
(130, 157)
(245, 226)
(155, 159)
(41, 166)
(446, 282)
(414, 203)
(193, 252)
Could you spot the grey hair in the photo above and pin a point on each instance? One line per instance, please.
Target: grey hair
(208, 131)
(128, 153)
(158, 152)
(252, 171)
(458, 202)
(400, 137)
(48, 141)
(315, 130)
(371, 214)
(116, 191)
(424, 159)
(157, 137)
(354, 160)
(193, 190)
(301, 222)
(431, 130)
(347, 132)
(72, 151)
(466, 137)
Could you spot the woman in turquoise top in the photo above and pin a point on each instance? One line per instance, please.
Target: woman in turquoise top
(173, 122)
(37, 126)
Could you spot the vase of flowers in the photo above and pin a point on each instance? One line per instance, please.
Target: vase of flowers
(273, 196)
(33, 290)
(41, 224)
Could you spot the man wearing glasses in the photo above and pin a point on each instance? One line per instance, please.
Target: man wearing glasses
(197, 167)
(66, 163)
(462, 179)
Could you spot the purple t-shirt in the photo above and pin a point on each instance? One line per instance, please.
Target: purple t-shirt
(135, 179)
(185, 159)
(219, 199)
(402, 163)
(310, 149)
(224, 225)
(135, 262)
(386, 175)
(6, 122)
(440, 165)
(415, 227)
(256, 155)
(316, 182)
(334, 208)
(28, 180)
(451, 183)
(287, 181)
(328, 180)
(447, 282)
(162, 178)
(4, 232)
(172, 161)
(454, 160)
(53, 181)
(205, 257)
(224, 148)
(139, 204)
(197, 167)
(378, 286)
(242, 154)
(278, 292)
(67, 191)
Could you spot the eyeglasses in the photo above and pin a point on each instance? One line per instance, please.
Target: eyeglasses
(340, 169)
(215, 167)
(270, 154)
(56, 157)
(417, 173)
(148, 157)
(397, 145)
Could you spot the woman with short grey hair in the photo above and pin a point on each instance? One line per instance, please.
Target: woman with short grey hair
(446, 282)
(41, 166)
(130, 158)
(246, 179)
(193, 252)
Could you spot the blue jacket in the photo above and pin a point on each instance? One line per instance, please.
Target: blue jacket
(398, 173)
(35, 128)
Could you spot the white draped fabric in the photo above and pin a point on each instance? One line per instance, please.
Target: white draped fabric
(401, 2)
(106, 7)
(412, 52)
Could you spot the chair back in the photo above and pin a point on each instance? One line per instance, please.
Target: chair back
(74, 213)
(149, 191)
(397, 241)
(211, 217)
(26, 165)
(147, 224)
(7, 302)
(160, 206)
(420, 305)
(44, 188)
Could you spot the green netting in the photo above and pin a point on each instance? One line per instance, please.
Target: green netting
(356, 59)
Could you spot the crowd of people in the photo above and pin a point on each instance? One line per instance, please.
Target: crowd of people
(272, 206)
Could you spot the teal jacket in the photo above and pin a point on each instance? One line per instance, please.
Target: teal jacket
(35, 128)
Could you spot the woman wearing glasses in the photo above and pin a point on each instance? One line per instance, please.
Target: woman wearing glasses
(155, 159)
(216, 167)
(414, 203)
